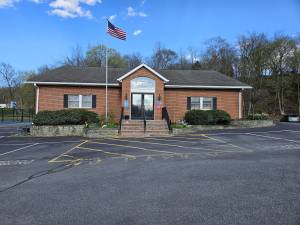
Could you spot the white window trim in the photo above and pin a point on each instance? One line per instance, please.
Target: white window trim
(80, 102)
(201, 102)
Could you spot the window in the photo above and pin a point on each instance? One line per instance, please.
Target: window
(86, 101)
(142, 85)
(207, 103)
(73, 101)
(195, 102)
(203, 103)
(79, 101)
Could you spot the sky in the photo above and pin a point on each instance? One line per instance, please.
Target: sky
(39, 32)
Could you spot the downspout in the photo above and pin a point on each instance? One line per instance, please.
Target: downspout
(240, 104)
(37, 98)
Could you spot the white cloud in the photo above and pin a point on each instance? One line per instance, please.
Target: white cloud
(112, 17)
(71, 8)
(37, 1)
(7, 3)
(137, 32)
(132, 12)
(62, 8)
(143, 2)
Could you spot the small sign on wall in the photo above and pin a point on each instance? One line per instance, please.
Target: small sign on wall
(158, 104)
(126, 104)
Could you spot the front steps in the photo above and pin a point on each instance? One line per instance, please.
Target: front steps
(135, 128)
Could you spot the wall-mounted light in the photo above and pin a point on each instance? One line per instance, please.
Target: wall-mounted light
(158, 101)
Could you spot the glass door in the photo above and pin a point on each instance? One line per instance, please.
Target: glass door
(136, 106)
(148, 101)
(140, 102)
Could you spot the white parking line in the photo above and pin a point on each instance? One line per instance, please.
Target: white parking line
(40, 143)
(275, 138)
(260, 132)
(19, 149)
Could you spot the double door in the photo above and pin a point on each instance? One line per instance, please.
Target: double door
(142, 103)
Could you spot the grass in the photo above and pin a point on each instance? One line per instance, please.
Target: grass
(179, 126)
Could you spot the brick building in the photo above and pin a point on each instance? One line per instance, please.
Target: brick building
(138, 89)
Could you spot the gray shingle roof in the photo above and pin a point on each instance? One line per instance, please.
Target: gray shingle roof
(92, 75)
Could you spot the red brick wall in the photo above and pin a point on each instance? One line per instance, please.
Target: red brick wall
(159, 90)
(52, 98)
(176, 101)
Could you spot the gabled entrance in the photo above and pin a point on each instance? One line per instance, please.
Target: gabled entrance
(142, 94)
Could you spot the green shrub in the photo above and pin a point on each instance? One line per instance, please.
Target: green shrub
(258, 116)
(207, 117)
(66, 117)
(110, 119)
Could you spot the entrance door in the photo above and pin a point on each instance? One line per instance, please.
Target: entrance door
(140, 102)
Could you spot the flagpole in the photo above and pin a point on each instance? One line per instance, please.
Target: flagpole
(106, 78)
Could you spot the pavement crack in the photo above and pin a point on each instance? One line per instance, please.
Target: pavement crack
(56, 169)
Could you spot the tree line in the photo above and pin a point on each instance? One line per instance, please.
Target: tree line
(271, 65)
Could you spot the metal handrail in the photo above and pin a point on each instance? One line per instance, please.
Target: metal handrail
(144, 119)
(165, 115)
(121, 119)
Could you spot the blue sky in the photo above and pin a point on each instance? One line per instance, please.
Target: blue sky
(38, 32)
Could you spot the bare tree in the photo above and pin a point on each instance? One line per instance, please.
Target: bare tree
(282, 51)
(193, 53)
(133, 60)
(183, 63)
(163, 58)
(76, 59)
(220, 56)
(253, 58)
(8, 75)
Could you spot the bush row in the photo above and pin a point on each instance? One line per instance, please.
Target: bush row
(66, 117)
(207, 117)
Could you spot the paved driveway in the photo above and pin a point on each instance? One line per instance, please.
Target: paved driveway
(224, 177)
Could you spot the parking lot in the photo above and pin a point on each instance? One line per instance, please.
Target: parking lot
(249, 176)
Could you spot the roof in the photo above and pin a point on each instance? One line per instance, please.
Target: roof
(147, 67)
(95, 76)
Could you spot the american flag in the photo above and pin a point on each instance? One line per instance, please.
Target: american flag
(115, 31)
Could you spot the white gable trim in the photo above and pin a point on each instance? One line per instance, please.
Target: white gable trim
(147, 67)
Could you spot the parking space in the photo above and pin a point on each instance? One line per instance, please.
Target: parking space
(203, 145)
(245, 168)
(10, 128)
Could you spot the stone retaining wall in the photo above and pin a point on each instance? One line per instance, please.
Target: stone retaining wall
(236, 124)
(72, 130)
(100, 132)
(53, 131)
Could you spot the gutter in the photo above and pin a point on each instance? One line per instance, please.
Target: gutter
(118, 85)
(207, 87)
(72, 83)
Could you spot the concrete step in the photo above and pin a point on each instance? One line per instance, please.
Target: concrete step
(147, 134)
(135, 128)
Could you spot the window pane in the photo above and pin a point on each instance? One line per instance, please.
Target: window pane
(195, 103)
(86, 101)
(195, 99)
(73, 98)
(73, 101)
(207, 103)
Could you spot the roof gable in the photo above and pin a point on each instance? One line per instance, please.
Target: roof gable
(139, 67)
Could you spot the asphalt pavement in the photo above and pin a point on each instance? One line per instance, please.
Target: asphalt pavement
(247, 176)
